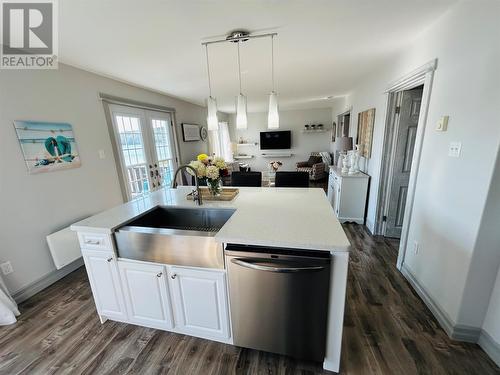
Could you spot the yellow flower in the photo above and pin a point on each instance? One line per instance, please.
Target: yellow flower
(202, 157)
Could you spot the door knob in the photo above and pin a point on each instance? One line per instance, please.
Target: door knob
(159, 274)
(173, 276)
(109, 259)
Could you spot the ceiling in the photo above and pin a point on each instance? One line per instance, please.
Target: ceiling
(323, 48)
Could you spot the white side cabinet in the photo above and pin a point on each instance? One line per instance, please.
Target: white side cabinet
(347, 195)
(200, 300)
(146, 294)
(105, 282)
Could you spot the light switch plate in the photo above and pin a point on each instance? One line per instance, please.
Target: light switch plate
(442, 124)
(102, 154)
(454, 149)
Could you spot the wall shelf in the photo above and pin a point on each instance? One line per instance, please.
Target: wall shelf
(239, 157)
(278, 155)
(314, 131)
(247, 144)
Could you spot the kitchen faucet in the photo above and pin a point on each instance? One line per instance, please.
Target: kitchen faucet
(196, 192)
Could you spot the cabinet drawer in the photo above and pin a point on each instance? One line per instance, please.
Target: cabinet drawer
(95, 241)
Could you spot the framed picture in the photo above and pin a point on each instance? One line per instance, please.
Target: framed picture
(47, 146)
(190, 132)
(364, 139)
(334, 131)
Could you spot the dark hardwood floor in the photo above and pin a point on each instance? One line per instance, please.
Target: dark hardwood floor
(387, 330)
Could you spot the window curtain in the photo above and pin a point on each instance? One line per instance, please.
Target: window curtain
(8, 307)
(219, 142)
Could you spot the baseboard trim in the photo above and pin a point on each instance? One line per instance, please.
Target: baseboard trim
(442, 317)
(30, 290)
(490, 346)
(457, 332)
(465, 333)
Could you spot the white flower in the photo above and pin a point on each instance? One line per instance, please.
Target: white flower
(212, 172)
(219, 163)
(201, 169)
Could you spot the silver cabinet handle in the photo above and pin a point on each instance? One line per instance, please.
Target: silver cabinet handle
(92, 242)
(173, 276)
(109, 259)
(260, 267)
(159, 274)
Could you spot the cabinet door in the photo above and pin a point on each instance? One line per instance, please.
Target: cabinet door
(105, 283)
(146, 294)
(200, 300)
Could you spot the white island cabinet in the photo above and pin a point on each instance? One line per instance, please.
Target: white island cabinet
(194, 300)
(201, 302)
(146, 294)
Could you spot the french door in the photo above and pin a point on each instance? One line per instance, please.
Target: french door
(146, 148)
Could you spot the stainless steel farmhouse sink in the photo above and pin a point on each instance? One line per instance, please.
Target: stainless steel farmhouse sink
(173, 235)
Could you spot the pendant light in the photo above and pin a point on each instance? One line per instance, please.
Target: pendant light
(212, 120)
(241, 104)
(273, 118)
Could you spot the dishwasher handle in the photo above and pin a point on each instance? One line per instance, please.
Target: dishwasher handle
(259, 267)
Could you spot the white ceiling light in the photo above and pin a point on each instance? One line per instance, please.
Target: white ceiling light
(273, 118)
(212, 120)
(241, 106)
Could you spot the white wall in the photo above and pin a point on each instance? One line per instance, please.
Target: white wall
(32, 206)
(302, 144)
(492, 321)
(451, 192)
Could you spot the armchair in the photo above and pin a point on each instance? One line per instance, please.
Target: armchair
(314, 166)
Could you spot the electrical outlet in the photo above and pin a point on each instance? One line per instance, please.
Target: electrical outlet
(415, 247)
(6, 268)
(454, 149)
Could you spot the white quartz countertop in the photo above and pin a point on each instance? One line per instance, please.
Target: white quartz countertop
(300, 218)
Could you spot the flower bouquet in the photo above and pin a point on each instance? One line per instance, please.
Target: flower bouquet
(275, 165)
(210, 170)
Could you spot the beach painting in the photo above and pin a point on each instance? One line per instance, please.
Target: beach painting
(47, 146)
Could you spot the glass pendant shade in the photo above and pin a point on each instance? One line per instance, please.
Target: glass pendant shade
(273, 118)
(241, 112)
(212, 120)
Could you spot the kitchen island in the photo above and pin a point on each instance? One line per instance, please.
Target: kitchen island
(195, 300)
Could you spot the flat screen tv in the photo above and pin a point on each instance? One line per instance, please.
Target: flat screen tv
(279, 140)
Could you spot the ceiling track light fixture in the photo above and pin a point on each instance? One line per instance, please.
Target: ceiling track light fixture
(212, 120)
(239, 36)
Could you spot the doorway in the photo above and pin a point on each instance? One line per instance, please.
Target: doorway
(145, 148)
(344, 121)
(415, 90)
(407, 113)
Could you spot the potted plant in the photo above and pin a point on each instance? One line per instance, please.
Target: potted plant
(210, 170)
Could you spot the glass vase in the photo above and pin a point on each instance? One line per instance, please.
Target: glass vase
(215, 187)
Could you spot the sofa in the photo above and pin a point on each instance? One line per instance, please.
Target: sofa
(315, 167)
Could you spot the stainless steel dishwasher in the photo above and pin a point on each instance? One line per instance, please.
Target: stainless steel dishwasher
(279, 299)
